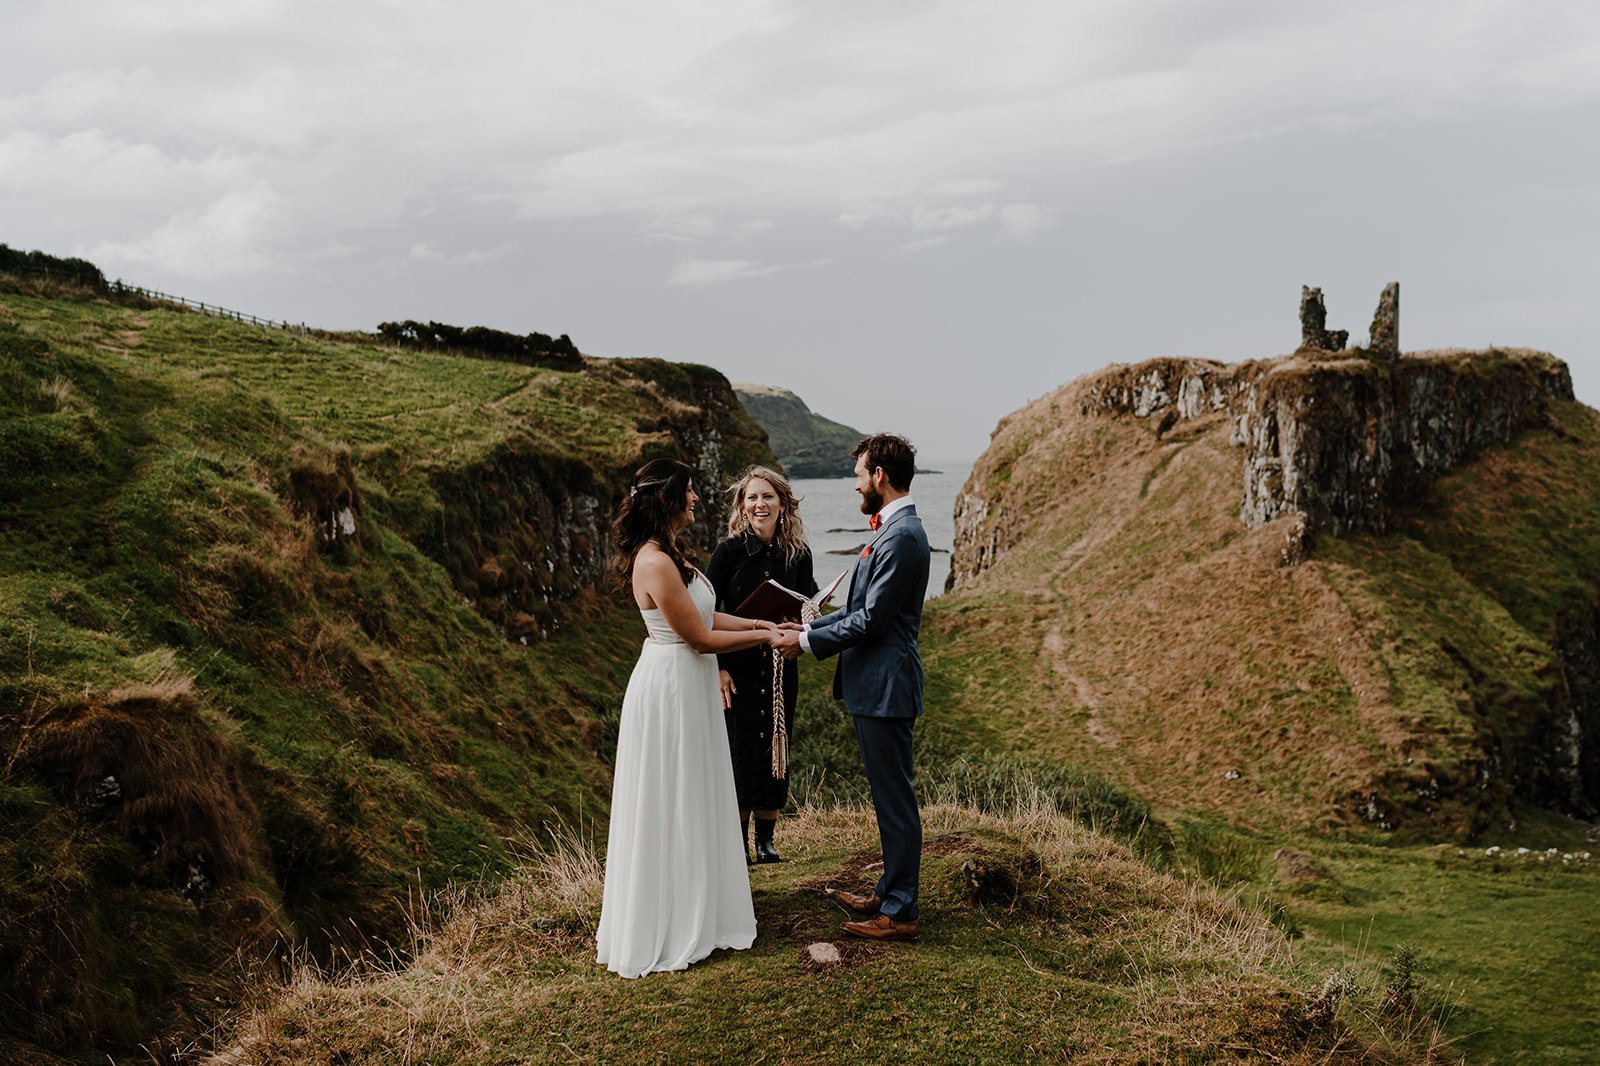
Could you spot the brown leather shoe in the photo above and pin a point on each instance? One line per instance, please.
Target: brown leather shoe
(883, 927)
(860, 902)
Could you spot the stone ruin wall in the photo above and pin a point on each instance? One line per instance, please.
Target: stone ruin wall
(1335, 434)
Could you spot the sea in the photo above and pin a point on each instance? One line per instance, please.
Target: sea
(837, 530)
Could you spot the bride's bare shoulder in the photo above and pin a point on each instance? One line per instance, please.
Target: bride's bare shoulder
(651, 566)
(650, 557)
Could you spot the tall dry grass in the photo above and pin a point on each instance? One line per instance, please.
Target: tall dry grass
(477, 963)
(461, 960)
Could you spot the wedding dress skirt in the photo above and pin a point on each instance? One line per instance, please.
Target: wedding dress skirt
(676, 883)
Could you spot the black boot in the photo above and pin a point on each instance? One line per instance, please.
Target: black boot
(744, 838)
(765, 852)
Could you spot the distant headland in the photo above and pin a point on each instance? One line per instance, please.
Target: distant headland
(807, 444)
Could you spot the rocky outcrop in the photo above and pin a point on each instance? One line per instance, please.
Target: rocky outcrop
(323, 488)
(1577, 643)
(1338, 441)
(807, 444)
(1187, 388)
(524, 529)
(1333, 444)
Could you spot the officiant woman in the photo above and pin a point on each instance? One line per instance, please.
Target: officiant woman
(765, 540)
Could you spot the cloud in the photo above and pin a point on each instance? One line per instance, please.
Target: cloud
(1024, 222)
(695, 228)
(304, 148)
(697, 273)
(923, 244)
(1020, 222)
(482, 255)
(99, 166)
(229, 235)
(695, 122)
(924, 219)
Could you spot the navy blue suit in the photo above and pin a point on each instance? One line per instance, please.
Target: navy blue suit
(879, 677)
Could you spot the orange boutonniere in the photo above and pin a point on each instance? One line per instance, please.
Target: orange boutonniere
(866, 551)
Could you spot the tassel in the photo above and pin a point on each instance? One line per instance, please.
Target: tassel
(780, 728)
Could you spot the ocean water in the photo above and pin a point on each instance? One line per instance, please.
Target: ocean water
(837, 530)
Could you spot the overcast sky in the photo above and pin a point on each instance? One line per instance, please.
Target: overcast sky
(916, 215)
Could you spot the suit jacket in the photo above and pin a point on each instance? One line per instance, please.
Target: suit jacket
(875, 636)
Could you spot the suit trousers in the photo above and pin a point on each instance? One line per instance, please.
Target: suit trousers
(886, 753)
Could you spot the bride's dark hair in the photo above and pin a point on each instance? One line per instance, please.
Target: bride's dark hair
(658, 494)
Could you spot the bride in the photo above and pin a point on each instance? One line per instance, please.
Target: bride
(676, 887)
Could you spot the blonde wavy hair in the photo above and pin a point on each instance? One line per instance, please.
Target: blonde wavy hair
(791, 534)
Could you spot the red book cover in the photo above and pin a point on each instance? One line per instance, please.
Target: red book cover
(772, 602)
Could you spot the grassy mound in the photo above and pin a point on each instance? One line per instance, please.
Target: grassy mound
(1419, 680)
(1354, 707)
(1041, 940)
(289, 627)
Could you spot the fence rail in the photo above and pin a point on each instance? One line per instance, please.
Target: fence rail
(210, 309)
(76, 276)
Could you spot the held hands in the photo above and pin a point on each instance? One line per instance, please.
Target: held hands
(786, 640)
(769, 632)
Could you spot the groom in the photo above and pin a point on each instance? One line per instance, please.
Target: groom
(879, 676)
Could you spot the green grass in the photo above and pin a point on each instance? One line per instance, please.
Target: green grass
(1508, 956)
(1508, 950)
(311, 728)
(1391, 693)
(363, 731)
(1088, 953)
(1508, 960)
(1501, 941)
(960, 765)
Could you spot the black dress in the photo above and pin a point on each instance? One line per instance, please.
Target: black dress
(738, 565)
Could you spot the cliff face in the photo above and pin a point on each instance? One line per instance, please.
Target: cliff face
(523, 529)
(1341, 440)
(1335, 442)
(807, 444)
(1415, 544)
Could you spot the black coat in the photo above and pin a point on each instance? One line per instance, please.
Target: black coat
(738, 565)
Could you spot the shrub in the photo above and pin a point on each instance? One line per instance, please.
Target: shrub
(535, 349)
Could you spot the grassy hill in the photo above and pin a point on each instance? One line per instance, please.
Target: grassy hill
(1412, 680)
(306, 699)
(1377, 707)
(807, 444)
(292, 627)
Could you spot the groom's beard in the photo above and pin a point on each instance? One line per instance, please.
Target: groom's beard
(871, 502)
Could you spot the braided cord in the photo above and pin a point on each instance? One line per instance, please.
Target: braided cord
(780, 727)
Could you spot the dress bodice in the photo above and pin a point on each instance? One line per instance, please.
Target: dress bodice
(704, 598)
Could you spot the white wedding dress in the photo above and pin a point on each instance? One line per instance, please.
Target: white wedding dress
(676, 885)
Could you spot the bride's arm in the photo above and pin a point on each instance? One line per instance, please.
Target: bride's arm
(657, 576)
(733, 622)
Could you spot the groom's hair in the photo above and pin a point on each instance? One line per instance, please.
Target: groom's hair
(894, 453)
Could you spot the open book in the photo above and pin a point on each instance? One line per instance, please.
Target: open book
(772, 602)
